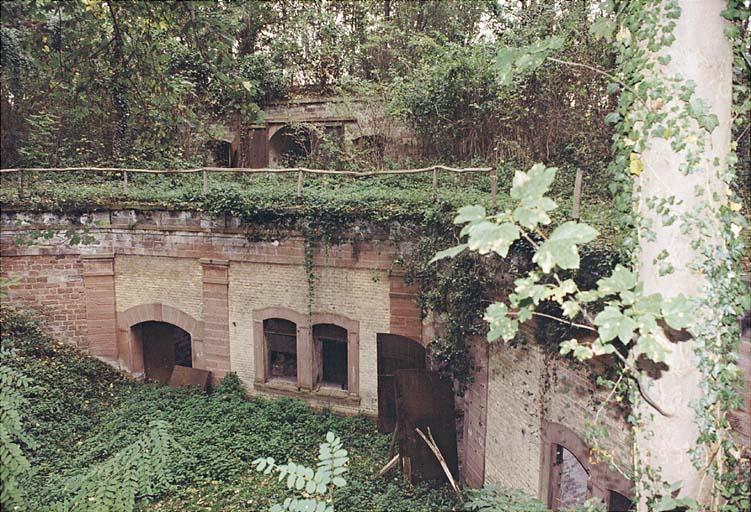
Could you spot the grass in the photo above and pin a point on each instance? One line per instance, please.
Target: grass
(81, 412)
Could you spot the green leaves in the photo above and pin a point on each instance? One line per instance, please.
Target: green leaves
(487, 236)
(451, 252)
(603, 28)
(526, 59)
(678, 312)
(472, 213)
(561, 249)
(619, 281)
(534, 184)
(501, 325)
(318, 485)
(613, 323)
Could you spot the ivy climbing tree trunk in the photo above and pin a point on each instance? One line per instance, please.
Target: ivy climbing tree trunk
(700, 53)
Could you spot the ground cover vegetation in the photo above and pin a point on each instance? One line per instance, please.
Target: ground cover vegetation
(77, 435)
(95, 440)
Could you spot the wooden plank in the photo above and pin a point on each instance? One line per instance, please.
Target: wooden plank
(183, 376)
(434, 448)
(389, 465)
(494, 188)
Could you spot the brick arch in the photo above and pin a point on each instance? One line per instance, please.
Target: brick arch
(131, 348)
(602, 479)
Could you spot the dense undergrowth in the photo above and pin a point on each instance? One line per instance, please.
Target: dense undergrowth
(80, 413)
(271, 199)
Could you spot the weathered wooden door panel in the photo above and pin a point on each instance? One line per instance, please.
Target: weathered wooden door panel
(394, 353)
(425, 401)
(254, 148)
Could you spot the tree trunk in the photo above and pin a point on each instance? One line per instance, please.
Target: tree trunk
(119, 89)
(700, 53)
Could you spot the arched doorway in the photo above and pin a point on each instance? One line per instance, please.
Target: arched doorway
(568, 476)
(394, 353)
(288, 145)
(164, 347)
(568, 480)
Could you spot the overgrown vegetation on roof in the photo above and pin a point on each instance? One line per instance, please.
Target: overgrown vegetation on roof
(328, 203)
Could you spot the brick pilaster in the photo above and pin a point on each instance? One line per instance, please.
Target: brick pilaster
(215, 317)
(99, 283)
(404, 311)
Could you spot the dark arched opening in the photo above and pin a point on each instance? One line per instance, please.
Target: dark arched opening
(394, 353)
(331, 351)
(289, 145)
(164, 347)
(221, 153)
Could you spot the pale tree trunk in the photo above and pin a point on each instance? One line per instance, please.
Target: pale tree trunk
(700, 53)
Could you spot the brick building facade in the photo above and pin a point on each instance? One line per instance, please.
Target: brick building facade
(246, 307)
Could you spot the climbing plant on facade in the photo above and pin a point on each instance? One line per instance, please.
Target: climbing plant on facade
(678, 303)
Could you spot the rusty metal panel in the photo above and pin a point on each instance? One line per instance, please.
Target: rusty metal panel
(394, 353)
(424, 400)
(183, 376)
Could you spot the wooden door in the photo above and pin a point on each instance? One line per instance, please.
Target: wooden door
(394, 353)
(254, 147)
(425, 401)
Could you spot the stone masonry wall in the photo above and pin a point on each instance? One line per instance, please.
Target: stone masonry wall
(159, 279)
(361, 295)
(525, 387)
(189, 269)
(53, 285)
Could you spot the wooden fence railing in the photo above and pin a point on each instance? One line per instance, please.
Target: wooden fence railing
(301, 171)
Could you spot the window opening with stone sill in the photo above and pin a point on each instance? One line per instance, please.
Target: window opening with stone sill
(331, 349)
(281, 341)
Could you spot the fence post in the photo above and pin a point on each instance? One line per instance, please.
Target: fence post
(125, 182)
(577, 193)
(20, 184)
(205, 182)
(435, 183)
(494, 187)
(299, 185)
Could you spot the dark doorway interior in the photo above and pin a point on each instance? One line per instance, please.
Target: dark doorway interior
(394, 353)
(331, 341)
(222, 153)
(617, 502)
(289, 145)
(570, 480)
(164, 347)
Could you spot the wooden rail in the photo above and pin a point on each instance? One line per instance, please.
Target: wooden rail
(301, 171)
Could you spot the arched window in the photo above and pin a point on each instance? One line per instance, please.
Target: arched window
(331, 352)
(280, 337)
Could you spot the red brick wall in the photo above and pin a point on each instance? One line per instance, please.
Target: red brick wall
(52, 285)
